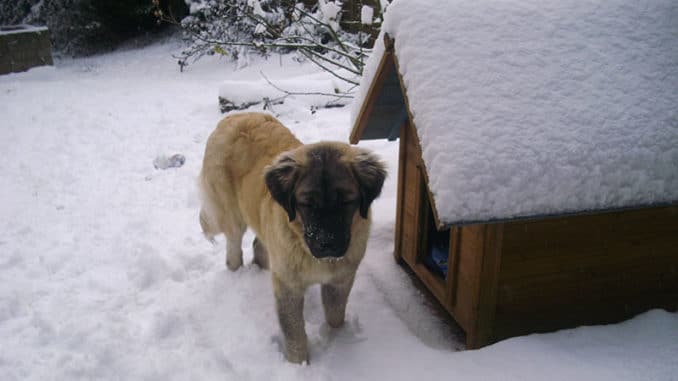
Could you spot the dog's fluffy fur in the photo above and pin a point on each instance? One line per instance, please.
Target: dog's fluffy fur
(307, 204)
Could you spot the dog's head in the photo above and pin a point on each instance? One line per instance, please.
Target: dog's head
(325, 185)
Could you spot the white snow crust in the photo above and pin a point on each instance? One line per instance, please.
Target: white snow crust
(105, 275)
(366, 15)
(317, 90)
(540, 107)
(22, 29)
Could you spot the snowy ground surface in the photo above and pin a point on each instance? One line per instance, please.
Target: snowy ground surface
(104, 273)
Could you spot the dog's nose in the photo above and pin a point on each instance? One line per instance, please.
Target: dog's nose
(331, 253)
(325, 243)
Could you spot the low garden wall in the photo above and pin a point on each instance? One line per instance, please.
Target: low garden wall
(23, 47)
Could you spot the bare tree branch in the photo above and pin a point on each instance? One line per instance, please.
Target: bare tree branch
(287, 92)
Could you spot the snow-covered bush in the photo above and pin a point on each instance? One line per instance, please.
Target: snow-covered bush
(235, 28)
(86, 26)
(15, 12)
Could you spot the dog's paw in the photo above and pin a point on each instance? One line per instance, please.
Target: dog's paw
(297, 356)
(335, 321)
(234, 263)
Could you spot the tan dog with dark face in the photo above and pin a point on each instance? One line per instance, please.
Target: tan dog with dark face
(307, 204)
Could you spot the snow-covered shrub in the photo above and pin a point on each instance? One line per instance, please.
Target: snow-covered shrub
(15, 12)
(235, 28)
(86, 26)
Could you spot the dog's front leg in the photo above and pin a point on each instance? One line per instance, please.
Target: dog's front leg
(335, 297)
(289, 302)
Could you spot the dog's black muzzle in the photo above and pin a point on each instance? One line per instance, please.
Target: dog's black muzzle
(327, 239)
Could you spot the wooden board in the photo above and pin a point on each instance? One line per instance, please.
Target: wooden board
(592, 269)
(490, 236)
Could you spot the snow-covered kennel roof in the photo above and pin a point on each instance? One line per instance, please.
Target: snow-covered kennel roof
(535, 107)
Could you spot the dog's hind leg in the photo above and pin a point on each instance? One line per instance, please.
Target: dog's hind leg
(260, 253)
(220, 214)
(233, 226)
(234, 230)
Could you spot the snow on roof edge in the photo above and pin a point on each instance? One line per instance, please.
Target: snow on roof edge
(574, 213)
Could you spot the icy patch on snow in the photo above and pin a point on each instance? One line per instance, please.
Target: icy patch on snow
(164, 161)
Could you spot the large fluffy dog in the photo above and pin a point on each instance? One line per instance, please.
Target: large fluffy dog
(308, 205)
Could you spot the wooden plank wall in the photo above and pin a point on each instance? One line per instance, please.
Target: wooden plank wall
(410, 196)
(565, 272)
(414, 214)
(483, 244)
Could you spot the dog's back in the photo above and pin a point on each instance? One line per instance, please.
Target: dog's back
(235, 156)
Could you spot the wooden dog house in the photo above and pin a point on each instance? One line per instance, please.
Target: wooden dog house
(502, 272)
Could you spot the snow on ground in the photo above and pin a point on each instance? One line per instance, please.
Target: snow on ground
(104, 273)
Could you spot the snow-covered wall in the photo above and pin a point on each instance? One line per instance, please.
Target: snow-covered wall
(540, 107)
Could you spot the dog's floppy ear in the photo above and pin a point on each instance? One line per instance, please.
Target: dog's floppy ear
(281, 177)
(370, 173)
